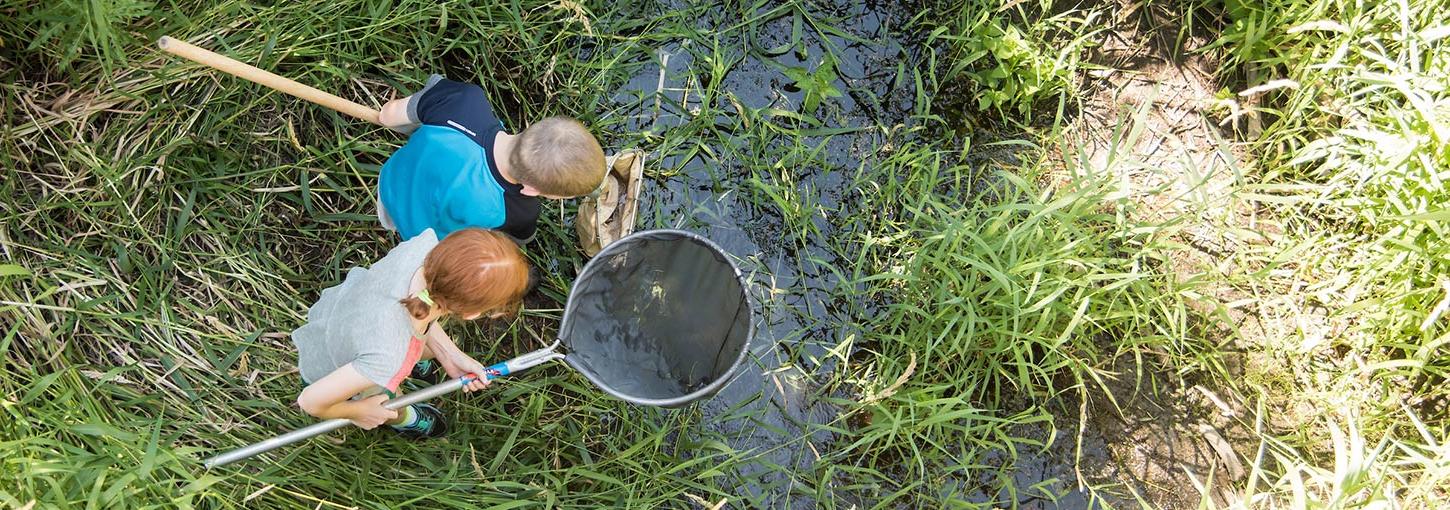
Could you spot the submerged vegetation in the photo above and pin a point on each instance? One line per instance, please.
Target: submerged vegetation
(967, 289)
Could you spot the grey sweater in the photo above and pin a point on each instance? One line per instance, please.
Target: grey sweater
(360, 321)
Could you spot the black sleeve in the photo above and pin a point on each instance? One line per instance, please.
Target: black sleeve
(462, 106)
(521, 219)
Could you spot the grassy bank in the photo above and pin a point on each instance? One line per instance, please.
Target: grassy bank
(1351, 139)
(172, 225)
(164, 227)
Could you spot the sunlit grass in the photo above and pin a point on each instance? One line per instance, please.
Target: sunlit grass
(1351, 138)
(164, 226)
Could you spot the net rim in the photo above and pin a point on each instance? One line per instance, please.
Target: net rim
(593, 266)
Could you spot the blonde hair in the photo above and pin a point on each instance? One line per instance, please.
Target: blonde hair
(558, 157)
(472, 271)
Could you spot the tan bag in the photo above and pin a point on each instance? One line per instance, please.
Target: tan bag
(608, 214)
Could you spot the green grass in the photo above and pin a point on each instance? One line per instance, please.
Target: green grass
(1011, 60)
(163, 227)
(1353, 150)
(1003, 294)
(167, 257)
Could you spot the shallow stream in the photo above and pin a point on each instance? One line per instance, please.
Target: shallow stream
(732, 182)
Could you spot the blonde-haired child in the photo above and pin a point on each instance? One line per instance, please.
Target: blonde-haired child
(460, 168)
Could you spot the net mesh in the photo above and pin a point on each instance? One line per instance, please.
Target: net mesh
(657, 316)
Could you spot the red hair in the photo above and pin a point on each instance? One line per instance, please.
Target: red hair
(473, 271)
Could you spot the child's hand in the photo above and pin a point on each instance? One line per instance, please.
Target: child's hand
(394, 115)
(477, 383)
(464, 364)
(455, 362)
(371, 413)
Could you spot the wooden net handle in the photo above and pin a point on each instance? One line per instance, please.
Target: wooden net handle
(246, 72)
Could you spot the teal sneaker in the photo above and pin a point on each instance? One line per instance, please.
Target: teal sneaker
(428, 371)
(427, 423)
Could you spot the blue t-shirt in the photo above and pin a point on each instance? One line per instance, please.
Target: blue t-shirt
(446, 178)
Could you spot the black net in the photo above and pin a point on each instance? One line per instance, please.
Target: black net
(659, 317)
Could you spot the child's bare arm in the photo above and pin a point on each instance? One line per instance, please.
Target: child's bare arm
(454, 360)
(328, 398)
(395, 115)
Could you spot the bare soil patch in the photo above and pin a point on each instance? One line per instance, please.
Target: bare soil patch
(1161, 437)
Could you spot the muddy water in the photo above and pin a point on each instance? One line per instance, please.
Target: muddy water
(777, 407)
(774, 408)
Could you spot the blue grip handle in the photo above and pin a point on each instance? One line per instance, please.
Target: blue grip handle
(494, 371)
(497, 370)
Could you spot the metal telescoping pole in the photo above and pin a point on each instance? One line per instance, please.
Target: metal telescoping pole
(324, 427)
(499, 370)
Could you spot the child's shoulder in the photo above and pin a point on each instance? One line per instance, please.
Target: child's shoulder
(408, 254)
(459, 105)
